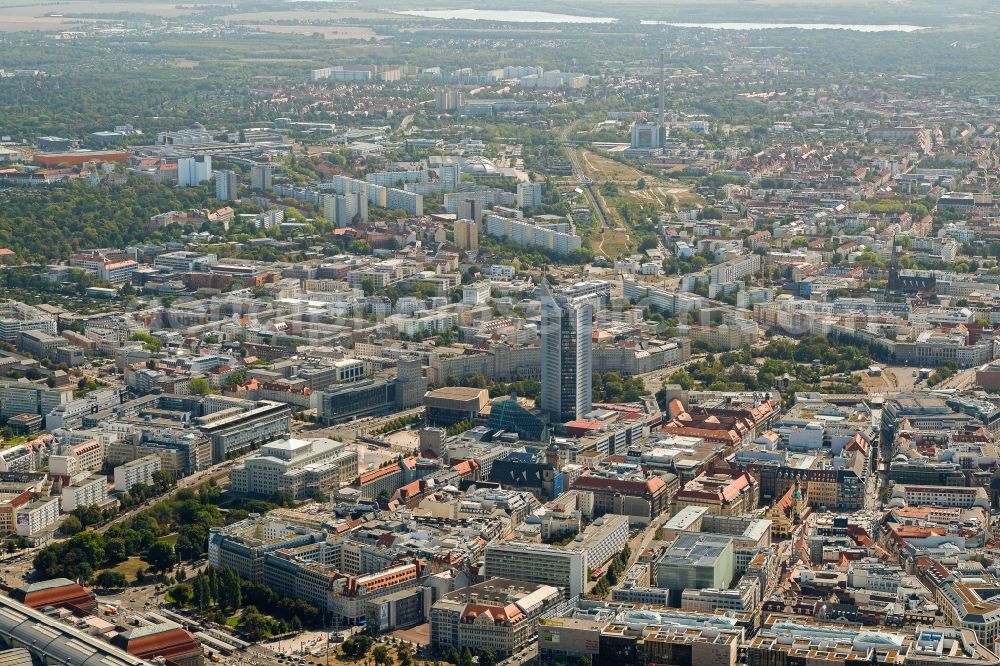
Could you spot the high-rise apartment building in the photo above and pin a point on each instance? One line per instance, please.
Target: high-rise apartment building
(567, 362)
(467, 235)
(261, 177)
(449, 99)
(343, 209)
(225, 185)
(409, 202)
(529, 195)
(450, 175)
(471, 209)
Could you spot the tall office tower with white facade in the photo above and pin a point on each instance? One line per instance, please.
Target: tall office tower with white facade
(567, 361)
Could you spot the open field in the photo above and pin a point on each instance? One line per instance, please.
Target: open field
(684, 196)
(307, 14)
(611, 243)
(656, 195)
(31, 23)
(921, 12)
(666, 194)
(18, 15)
(328, 31)
(601, 169)
(27, 8)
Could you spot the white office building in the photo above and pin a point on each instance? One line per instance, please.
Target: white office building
(476, 294)
(560, 566)
(296, 466)
(16, 317)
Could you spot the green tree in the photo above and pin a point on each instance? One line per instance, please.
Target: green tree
(71, 525)
(230, 593)
(382, 656)
(358, 646)
(199, 590)
(182, 594)
(163, 481)
(199, 386)
(150, 342)
(161, 556)
(368, 286)
(682, 378)
(254, 624)
(237, 378)
(111, 580)
(360, 247)
(404, 654)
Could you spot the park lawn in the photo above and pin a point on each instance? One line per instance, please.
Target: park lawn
(129, 567)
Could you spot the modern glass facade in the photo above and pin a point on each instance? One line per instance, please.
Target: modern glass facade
(567, 361)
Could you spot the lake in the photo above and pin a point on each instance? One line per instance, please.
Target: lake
(856, 27)
(504, 15)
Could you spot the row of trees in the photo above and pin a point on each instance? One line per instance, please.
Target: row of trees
(943, 372)
(397, 424)
(460, 427)
(216, 594)
(615, 568)
(188, 514)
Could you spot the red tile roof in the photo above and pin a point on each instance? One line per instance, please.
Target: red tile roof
(170, 643)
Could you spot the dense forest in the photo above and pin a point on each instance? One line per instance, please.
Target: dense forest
(51, 223)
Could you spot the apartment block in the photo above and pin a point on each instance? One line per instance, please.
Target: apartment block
(86, 491)
(137, 471)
